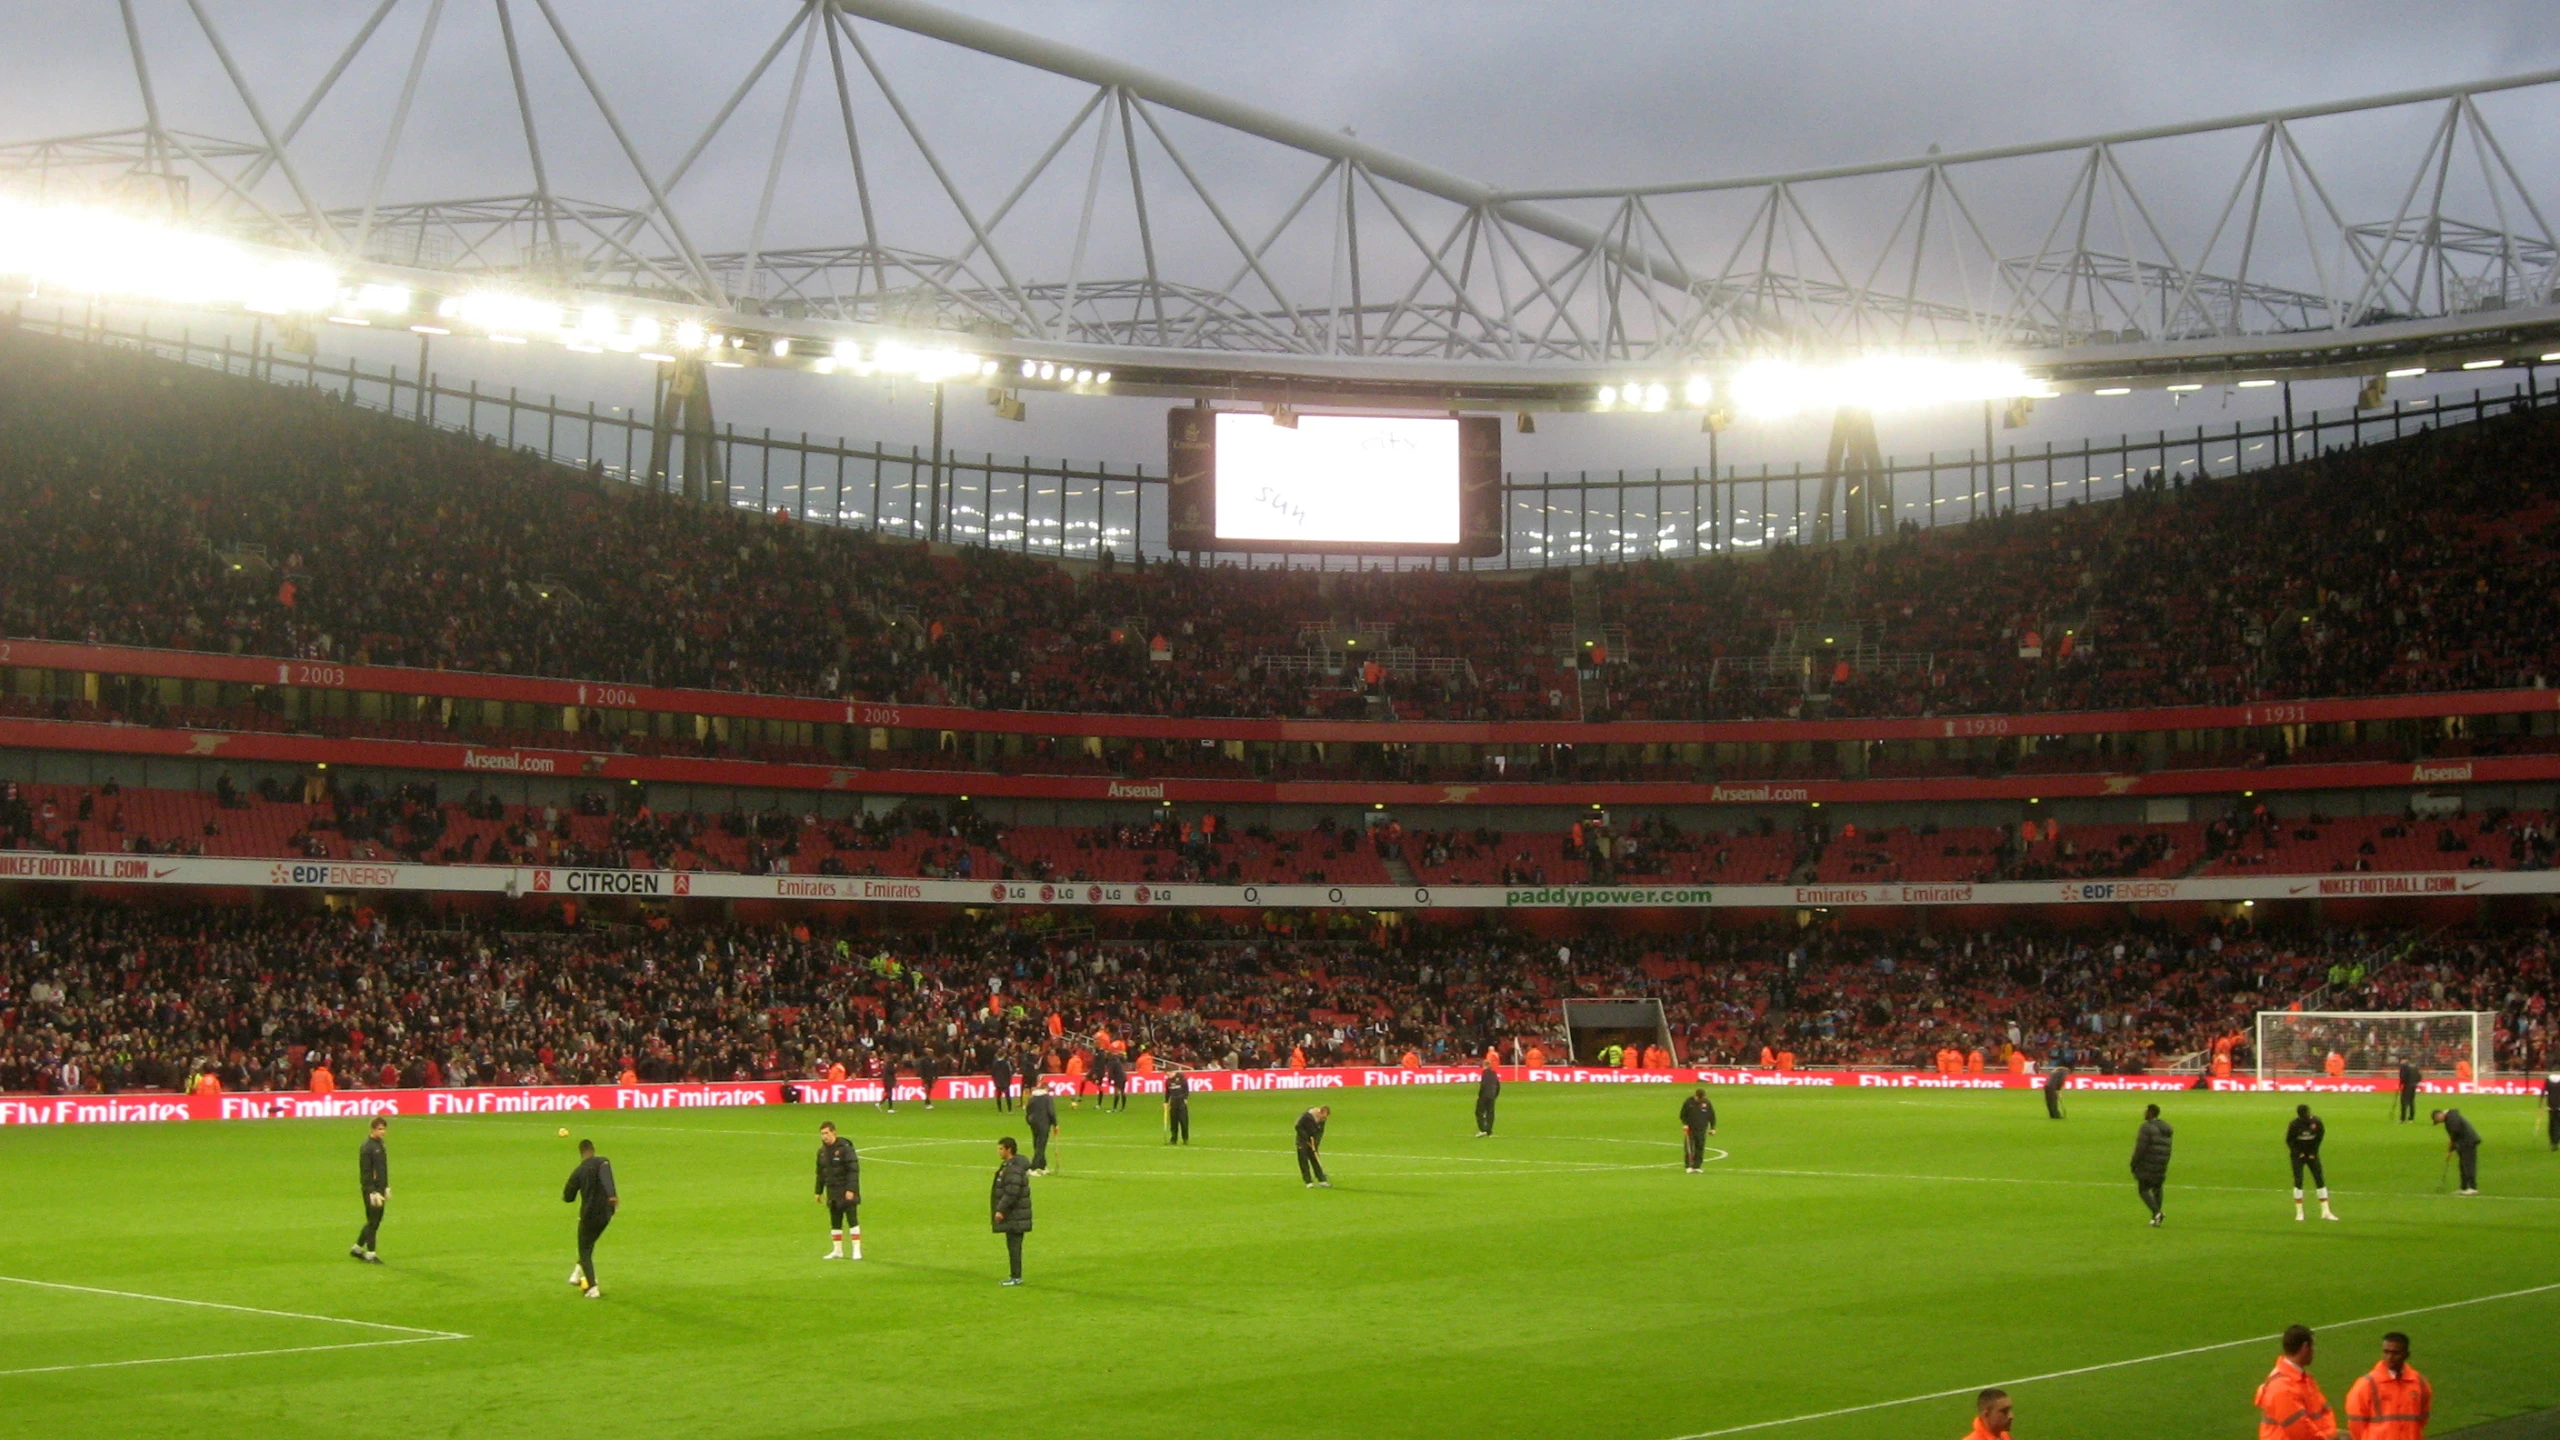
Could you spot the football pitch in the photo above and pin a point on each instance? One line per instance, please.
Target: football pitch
(1850, 1264)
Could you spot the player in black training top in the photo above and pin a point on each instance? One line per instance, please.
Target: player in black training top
(591, 1185)
(1697, 1122)
(840, 1185)
(1177, 1109)
(1311, 1140)
(373, 1181)
(2302, 1142)
(2551, 1107)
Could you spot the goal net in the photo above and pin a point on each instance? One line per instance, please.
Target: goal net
(2374, 1042)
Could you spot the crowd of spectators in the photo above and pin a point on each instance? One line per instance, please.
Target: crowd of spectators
(116, 997)
(156, 505)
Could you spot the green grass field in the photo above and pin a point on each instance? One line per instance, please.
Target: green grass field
(1853, 1249)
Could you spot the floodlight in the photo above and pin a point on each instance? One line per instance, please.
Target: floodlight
(2409, 374)
(2482, 364)
(1698, 391)
(1608, 396)
(515, 314)
(1772, 389)
(781, 346)
(2116, 390)
(2255, 384)
(848, 350)
(688, 335)
(1656, 396)
(2183, 389)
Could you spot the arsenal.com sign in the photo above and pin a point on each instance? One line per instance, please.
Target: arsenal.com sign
(572, 883)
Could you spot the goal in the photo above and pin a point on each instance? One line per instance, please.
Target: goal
(2300, 1042)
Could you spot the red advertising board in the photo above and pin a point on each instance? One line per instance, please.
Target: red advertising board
(587, 694)
(565, 1100)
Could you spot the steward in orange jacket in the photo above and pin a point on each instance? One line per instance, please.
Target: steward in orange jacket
(2392, 1400)
(2290, 1405)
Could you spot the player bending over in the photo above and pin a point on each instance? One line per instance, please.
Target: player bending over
(2302, 1142)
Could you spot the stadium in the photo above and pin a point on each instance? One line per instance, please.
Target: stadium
(1819, 802)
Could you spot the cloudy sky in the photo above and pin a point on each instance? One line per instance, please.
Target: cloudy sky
(1591, 93)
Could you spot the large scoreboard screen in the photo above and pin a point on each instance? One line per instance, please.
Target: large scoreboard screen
(1384, 484)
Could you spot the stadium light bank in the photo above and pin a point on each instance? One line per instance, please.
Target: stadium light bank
(90, 252)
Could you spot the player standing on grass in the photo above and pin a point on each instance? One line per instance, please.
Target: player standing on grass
(2551, 1107)
(2408, 1092)
(2053, 1083)
(1041, 1113)
(2290, 1405)
(1488, 1090)
(1177, 1109)
(1000, 1070)
(2392, 1401)
(373, 1180)
(2302, 1142)
(1009, 1202)
(1310, 1141)
(2462, 1140)
(840, 1185)
(2151, 1159)
(1697, 1122)
(591, 1186)
(1990, 1416)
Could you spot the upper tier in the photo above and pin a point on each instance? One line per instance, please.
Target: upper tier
(161, 506)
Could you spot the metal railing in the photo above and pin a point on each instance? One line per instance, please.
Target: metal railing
(1064, 509)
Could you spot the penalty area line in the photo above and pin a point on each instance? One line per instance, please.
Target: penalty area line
(419, 1331)
(241, 1354)
(2109, 1365)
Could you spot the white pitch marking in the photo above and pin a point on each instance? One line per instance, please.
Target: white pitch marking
(2109, 1365)
(418, 1330)
(2103, 1184)
(234, 1354)
(411, 1334)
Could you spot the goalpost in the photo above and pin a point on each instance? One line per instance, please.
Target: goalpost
(2299, 1042)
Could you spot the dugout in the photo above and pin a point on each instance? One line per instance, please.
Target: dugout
(1591, 1026)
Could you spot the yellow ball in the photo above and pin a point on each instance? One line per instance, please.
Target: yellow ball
(564, 1132)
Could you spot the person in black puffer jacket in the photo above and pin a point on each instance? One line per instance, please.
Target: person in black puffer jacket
(1009, 1201)
(2151, 1158)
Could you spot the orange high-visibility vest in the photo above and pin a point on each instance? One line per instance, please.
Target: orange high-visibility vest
(1297, 1058)
(322, 1082)
(2291, 1407)
(2384, 1406)
(2335, 1065)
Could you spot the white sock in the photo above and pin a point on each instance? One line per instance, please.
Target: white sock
(856, 1235)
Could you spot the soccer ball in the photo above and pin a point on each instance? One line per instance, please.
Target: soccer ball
(564, 1132)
